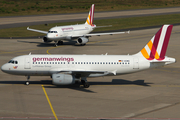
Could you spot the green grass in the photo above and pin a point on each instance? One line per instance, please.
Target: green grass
(37, 7)
(117, 24)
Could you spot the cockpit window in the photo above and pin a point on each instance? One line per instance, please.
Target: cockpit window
(10, 61)
(52, 32)
(13, 62)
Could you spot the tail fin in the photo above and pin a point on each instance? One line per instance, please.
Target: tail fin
(90, 17)
(157, 46)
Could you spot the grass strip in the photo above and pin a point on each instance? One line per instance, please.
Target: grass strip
(117, 24)
(39, 7)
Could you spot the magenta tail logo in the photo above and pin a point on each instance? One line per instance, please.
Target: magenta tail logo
(90, 16)
(157, 46)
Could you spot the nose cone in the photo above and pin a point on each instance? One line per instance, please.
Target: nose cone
(4, 68)
(50, 36)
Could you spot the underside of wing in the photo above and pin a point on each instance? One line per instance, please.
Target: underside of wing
(87, 73)
(99, 34)
(40, 31)
(110, 33)
(80, 73)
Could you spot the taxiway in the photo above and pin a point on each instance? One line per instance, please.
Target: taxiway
(152, 93)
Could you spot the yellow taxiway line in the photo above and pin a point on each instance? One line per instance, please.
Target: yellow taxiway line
(49, 102)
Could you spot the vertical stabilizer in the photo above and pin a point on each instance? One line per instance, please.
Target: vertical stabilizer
(157, 46)
(90, 17)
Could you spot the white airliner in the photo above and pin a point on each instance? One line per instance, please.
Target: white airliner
(67, 69)
(72, 32)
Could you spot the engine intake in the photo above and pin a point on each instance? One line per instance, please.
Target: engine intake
(82, 40)
(45, 39)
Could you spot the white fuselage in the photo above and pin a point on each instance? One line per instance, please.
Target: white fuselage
(67, 32)
(46, 65)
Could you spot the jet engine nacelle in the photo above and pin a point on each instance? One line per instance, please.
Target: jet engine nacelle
(82, 40)
(45, 39)
(63, 79)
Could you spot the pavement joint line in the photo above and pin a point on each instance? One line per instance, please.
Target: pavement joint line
(21, 51)
(167, 70)
(49, 102)
(148, 110)
(133, 85)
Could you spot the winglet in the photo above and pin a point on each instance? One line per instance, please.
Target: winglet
(90, 17)
(157, 46)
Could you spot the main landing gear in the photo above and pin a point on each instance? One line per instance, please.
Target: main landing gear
(27, 82)
(58, 43)
(84, 82)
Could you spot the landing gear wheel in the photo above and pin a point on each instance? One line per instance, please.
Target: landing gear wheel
(83, 44)
(55, 45)
(60, 42)
(84, 82)
(86, 85)
(27, 83)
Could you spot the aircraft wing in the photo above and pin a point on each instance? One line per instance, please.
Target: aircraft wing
(40, 31)
(82, 73)
(99, 34)
(89, 73)
(110, 33)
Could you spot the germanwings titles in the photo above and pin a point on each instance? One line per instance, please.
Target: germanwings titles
(67, 69)
(72, 32)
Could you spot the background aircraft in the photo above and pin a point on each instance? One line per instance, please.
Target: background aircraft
(67, 69)
(72, 32)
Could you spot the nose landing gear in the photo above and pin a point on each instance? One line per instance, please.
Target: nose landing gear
(58, 43)
(27, 82)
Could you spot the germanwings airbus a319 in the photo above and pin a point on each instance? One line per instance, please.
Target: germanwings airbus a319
(67, 69)
(72, 32)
